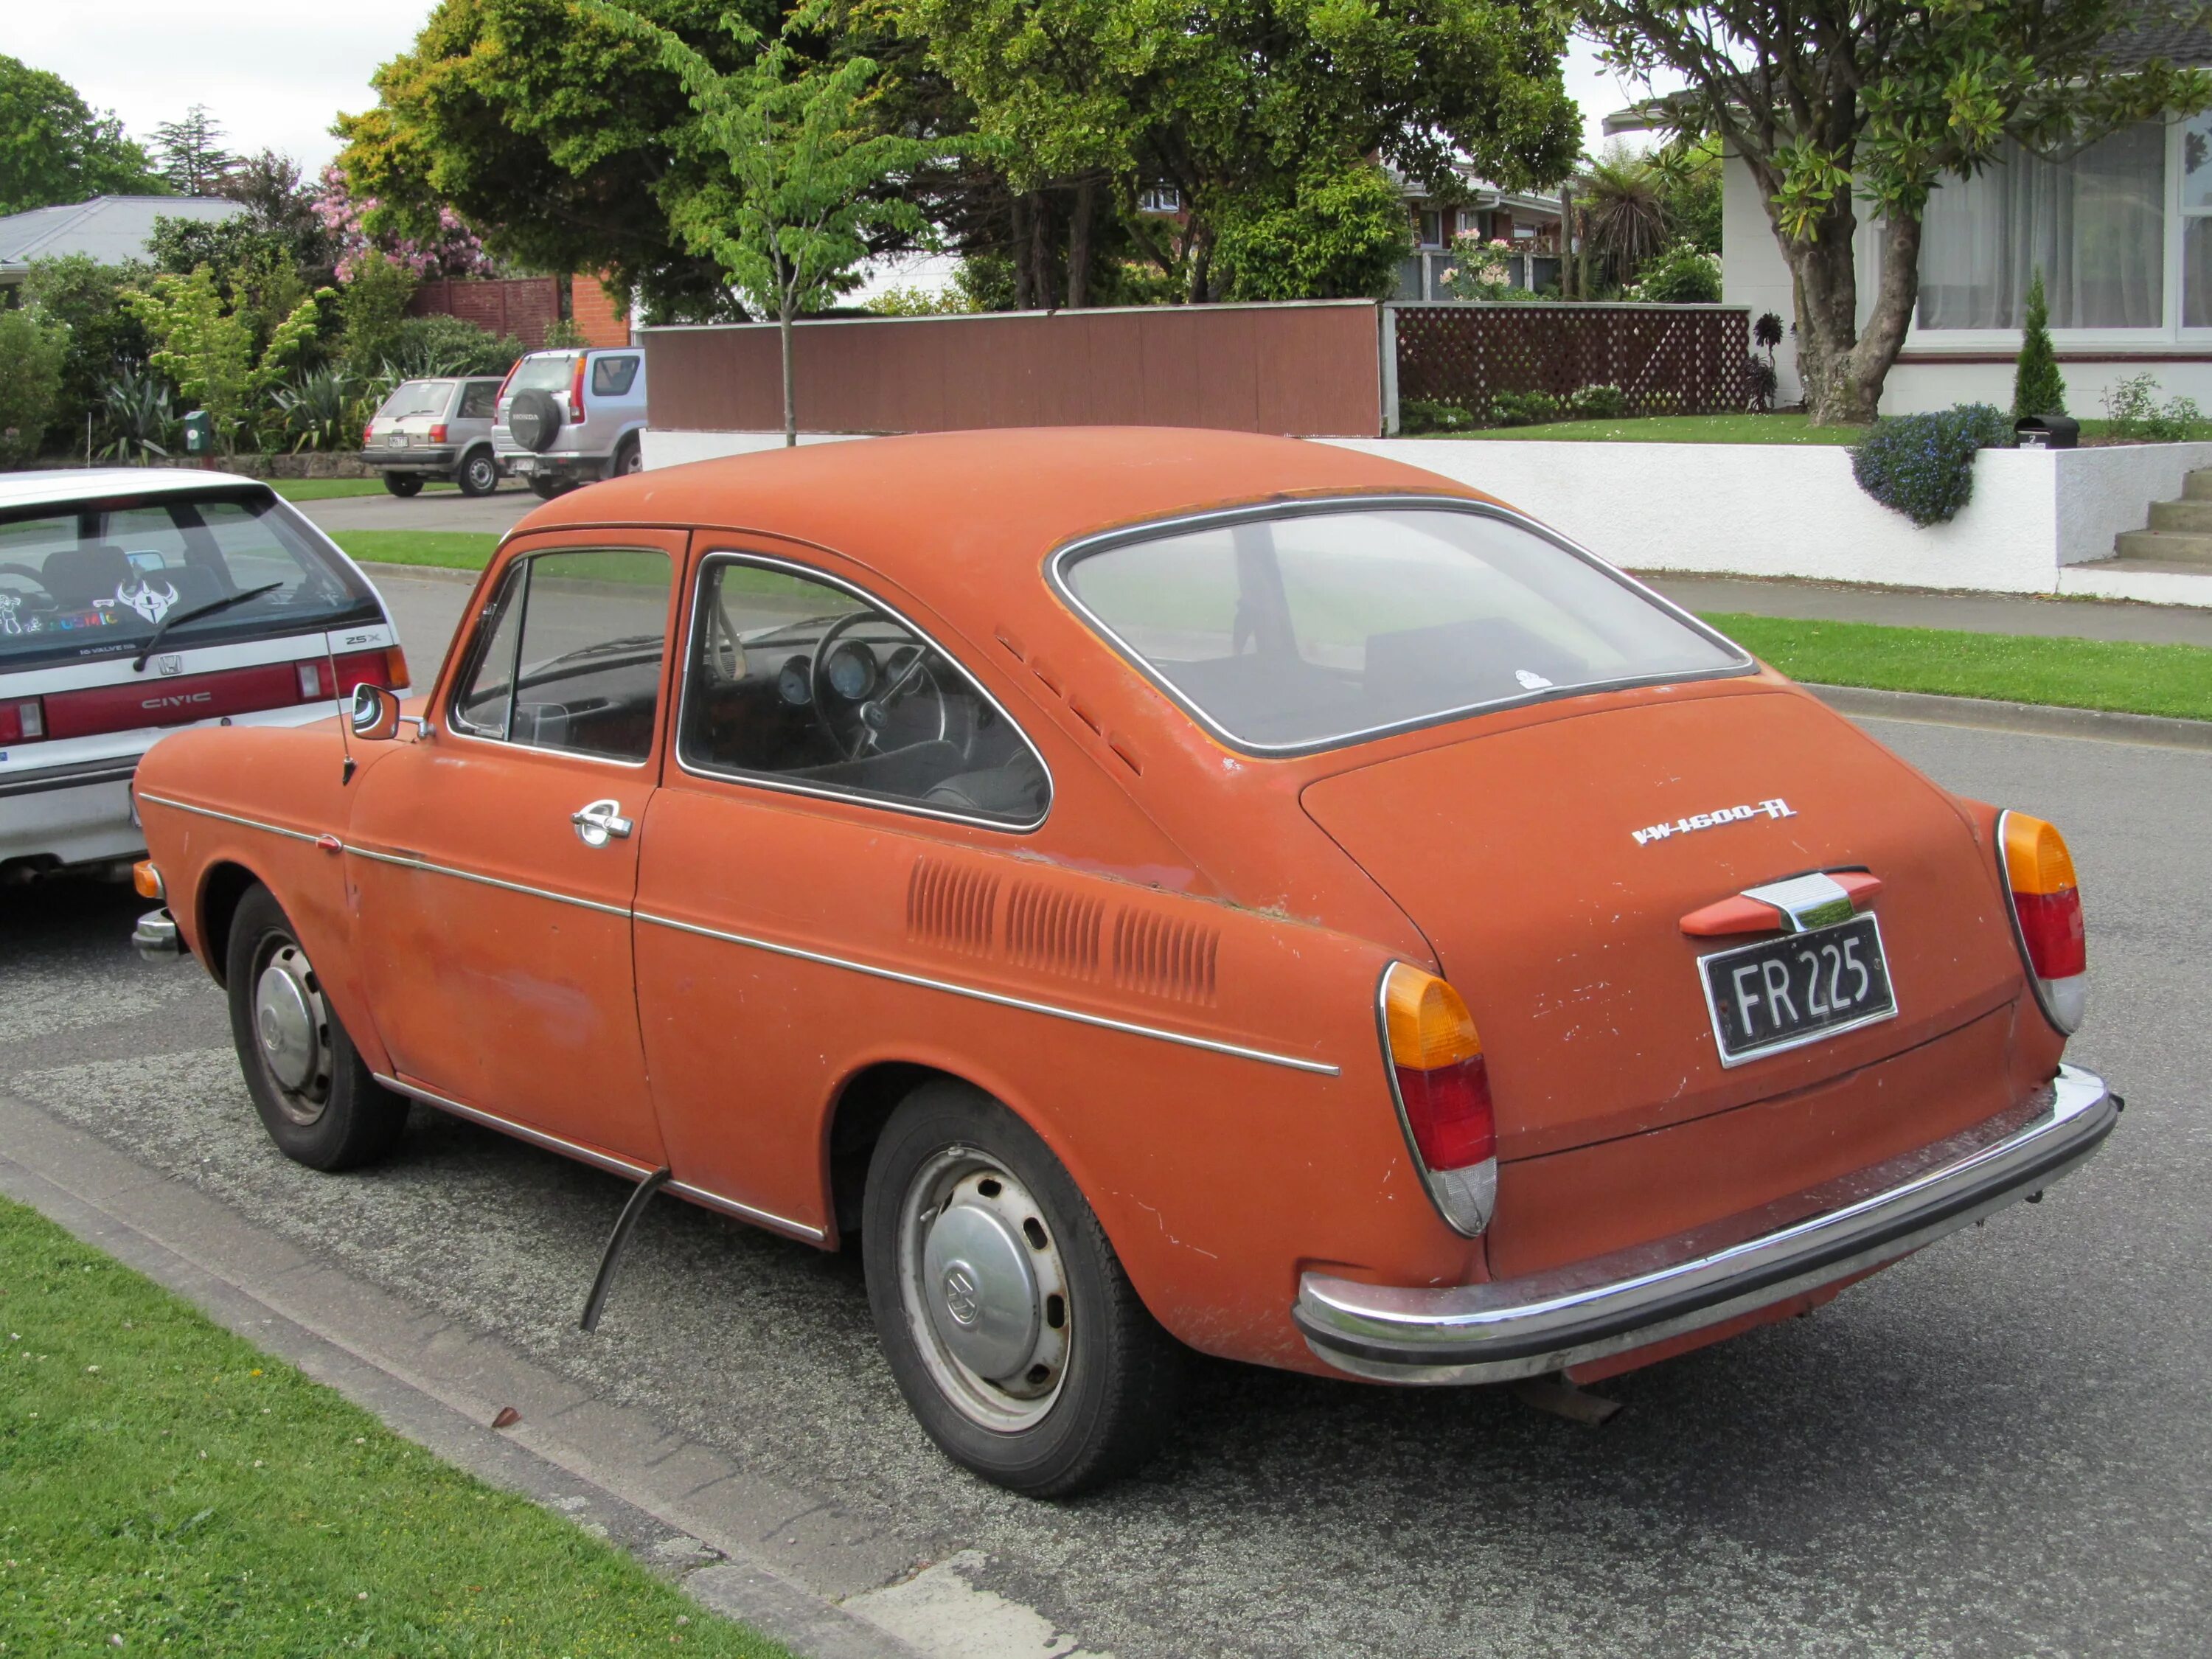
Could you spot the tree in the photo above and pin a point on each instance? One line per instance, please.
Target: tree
(192, 157)
(55, 150)
(31, 350)
(1834, 102)
(1624, 212)
(1234, 102)
(206, 347)
(86, 299)
(1340, 234)
(2037, 388)
(560, 137)
(280, 203)
(803, 158)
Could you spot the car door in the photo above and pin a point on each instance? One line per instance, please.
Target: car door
(828, 744)
(494, 861)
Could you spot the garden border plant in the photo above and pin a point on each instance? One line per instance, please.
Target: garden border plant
(1922, 465)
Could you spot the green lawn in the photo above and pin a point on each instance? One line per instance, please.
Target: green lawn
(1674, 430)
(169, 1486)
(2140, 679)
(453, 549)
(331, 489)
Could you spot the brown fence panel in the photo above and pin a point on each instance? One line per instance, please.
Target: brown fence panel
(1310, 370)
(1666, 360)
(524, 307)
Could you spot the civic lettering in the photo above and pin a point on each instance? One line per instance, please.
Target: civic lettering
(178, 700)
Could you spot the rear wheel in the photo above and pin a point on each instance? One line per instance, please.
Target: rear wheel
(479, 473)
(546, 487)
(403, 483)
(1015, 1336)
(320, 1104)
(629, 457)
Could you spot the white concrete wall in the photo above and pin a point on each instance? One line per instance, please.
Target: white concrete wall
(664, 448)
(2105, 490)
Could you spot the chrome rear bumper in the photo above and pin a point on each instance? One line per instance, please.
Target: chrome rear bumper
(155, 936)
(1528, 1326)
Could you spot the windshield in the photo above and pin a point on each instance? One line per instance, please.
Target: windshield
(550, 373)
(96, 579)
(416, 397)
(1305, 629)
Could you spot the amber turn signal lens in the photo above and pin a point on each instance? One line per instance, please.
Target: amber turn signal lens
(2036, 858)
(396, 668)
(1429, 1025)
(147, 880)
(2046, 908)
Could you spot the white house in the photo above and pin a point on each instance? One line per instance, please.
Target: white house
(2122, 233)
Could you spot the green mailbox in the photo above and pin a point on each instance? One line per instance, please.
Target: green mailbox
(199, 433)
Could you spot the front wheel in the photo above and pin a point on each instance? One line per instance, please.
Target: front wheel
(479, 473)
(320, 1103)
(404, 484)
(1010, 1326)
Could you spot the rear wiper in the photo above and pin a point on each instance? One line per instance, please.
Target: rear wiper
(170, 619)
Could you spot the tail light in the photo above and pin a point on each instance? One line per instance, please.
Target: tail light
(437, 432)
(499, 398)
(22, 720)
(1442, 1092)
(368, 434)
(2046, 914)
(576, 390)
(387, 668)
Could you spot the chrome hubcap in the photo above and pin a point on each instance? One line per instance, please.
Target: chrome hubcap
(984, 1290)
(292, 1027)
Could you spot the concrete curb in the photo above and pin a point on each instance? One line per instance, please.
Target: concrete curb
(379, 571)
(677, 1504)
(2034, 720)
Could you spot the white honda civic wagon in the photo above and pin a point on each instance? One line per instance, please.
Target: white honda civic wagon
(135, 601)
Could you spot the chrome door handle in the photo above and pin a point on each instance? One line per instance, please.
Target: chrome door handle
(599, 822)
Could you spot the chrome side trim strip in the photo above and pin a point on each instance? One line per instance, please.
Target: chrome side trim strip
(1321, 1068)
(767, 1218)
(611, 1162)
(231, 817)
(1585, 1310)
(406, 863)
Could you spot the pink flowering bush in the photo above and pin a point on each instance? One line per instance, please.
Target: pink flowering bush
(455, 251)
(1484, 270)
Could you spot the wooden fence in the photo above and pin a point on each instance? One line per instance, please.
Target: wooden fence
(524, 307)
(1666, 360)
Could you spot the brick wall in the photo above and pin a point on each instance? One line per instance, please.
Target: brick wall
(594, 309)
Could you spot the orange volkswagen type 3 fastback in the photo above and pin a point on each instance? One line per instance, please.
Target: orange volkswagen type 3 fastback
(1154, 890)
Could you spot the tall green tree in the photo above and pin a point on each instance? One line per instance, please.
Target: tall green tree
(54, 148)
(806, 159)
(2038, 386)
(192, 157)
(204, 343)
(1839, 104)
(1238, 102)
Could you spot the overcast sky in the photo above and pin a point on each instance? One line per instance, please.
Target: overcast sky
(275, 72)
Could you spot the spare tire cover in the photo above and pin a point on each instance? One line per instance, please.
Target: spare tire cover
(534, 419)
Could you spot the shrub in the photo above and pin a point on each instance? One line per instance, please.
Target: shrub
(1338, 233)
(1681, 275)
(1922, 465)
(1420, 414)
(2133, 408)
(137, 416)
(917, 302)
(2037, 387)
(1596, 402)
(87, 298)
(319, 410)
(32, 348)
(562, 335)
(1524, 408)
(439, 344)
(374, 303)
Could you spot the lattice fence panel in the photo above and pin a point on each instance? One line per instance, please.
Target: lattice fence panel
(1666, 360)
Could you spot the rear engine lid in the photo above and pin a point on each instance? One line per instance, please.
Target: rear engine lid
(1551, 866)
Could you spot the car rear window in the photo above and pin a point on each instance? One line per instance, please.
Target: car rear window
(95, 578)
(544, 373)
(416, 397)
(1289, 631)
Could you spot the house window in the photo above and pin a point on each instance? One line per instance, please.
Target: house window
(1430, 223)
(2196, 222)
(2093, 225)
(1159, 198)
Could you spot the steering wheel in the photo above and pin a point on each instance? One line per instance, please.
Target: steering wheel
(871, 715)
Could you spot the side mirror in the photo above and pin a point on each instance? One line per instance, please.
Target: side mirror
(375, 714)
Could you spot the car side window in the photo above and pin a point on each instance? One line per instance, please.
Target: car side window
(569, 655)
(803, 684)
(611, 377)
(479, 400)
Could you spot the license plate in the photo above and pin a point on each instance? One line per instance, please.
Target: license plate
(397, 440)
(1784, 993)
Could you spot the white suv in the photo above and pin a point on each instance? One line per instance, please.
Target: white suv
(569, 416)
(134, 602)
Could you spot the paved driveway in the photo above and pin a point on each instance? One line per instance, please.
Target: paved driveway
(2002, 1447)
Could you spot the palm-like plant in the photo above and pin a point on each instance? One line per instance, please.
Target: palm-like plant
(319, 410)
(1624, 212)
(139, 414)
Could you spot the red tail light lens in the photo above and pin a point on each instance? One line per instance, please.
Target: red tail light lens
(388, 668)
(368, 434)
(437, 431)
(2046, 911)
(1442, 1089)
(22, 720)
(576, 389)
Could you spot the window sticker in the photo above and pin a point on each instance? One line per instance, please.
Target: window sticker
(10, 604)
(149, 600)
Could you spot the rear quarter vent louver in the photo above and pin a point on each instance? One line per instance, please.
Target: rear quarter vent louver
(1164, 958)
(1054, 933)
(954, 908)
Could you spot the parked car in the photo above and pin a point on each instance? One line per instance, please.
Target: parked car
(569, 416)
(435, 428)
(134, 602)
(1155, 889)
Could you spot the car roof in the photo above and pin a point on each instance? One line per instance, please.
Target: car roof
(60, 486)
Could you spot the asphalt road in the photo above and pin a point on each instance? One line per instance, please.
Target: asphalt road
(443, 509)
(2002, 1447)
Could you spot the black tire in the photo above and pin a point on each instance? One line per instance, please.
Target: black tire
(338, 1117)
(1108, 1396)
(404, 484)
(629, 457)
(478, 474)
(546, 489)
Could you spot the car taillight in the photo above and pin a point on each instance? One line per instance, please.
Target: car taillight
(1443, 1091)
(2047, 914)
(22, 720)
(437, 432)
(387, 667)
(576, 391)
(368, 434)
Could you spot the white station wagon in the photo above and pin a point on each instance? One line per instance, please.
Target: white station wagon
(135, 601)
